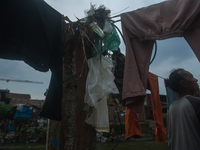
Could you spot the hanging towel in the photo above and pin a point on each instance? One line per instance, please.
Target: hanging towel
(99, 84)
(157, 109)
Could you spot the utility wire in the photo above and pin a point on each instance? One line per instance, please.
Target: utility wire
(120, 11)
(161, 77)
(12, 80)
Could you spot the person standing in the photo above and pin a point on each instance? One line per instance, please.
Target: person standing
(183, 118)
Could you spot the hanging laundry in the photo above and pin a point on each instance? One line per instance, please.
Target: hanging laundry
(99, 117)
(141, 27)
(132, 125)
(99, 85)
(119, 72)
(170, 94)
(32, 31)
(157, 108)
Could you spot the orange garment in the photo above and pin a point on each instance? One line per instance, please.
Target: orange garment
(132, 125)
(157, 109)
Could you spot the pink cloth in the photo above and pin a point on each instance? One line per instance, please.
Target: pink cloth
(172, 18)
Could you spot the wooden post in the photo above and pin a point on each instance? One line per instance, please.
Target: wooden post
(72, 133)
(53, 133)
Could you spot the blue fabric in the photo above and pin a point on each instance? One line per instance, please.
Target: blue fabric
(171, 96)
(10, 127)
(26, 112)
(55, 142)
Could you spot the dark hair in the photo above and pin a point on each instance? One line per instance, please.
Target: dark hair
(174, 79)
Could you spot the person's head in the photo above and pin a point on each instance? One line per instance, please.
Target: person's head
(183, 82)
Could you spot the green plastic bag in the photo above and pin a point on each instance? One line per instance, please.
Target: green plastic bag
(110, 42)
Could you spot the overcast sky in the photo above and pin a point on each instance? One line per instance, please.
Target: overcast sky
(172, 53)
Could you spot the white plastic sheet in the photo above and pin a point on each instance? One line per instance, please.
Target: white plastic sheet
(99, 84)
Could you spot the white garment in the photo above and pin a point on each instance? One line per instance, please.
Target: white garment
(99, 84)
(99, 117)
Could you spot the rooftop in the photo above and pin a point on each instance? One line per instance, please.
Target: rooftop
(36, 103)
(19, 96)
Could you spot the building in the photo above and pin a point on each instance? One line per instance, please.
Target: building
(17, 96)
(18, 101)
(3, 97)
(34, 105)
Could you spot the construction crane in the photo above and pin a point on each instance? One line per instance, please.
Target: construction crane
(14, 80)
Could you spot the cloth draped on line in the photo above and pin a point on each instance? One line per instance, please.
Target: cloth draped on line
(119, 73)
(170, 95)
(99, 84)
(132, 125)
(141, 28)
(32, 31)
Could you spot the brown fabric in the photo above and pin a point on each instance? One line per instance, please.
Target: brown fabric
(157, 108)
(172, 18)
(163, 20)
(136, 73)
(132, 125)
(192, 37)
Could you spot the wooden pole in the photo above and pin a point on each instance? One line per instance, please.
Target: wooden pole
(72, 133)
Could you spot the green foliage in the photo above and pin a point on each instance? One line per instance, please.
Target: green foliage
(6, 112)
(37, 131)
(21, 121)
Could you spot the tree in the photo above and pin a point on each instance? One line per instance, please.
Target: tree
(6, 112)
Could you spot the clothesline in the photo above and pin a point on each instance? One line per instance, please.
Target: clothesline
(161, 77)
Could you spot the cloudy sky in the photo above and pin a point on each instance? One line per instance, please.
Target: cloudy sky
(172, 53)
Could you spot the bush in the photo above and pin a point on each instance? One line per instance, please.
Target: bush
(6, 112)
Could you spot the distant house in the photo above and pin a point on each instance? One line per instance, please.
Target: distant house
(3, 97)
(34, 105)
(17, 96)
(37, 106)
(19, 101)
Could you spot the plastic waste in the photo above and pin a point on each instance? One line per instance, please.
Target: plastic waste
(107, 27)
(91, 11)
(99, 84)
(111, 41)
(97, 29)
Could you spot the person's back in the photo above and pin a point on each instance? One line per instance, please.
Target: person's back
(183, 124)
